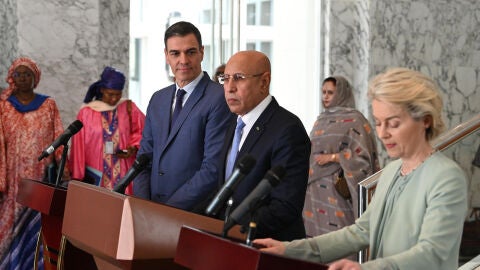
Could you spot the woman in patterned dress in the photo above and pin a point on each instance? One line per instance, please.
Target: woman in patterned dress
(343, 146)
(30, 122)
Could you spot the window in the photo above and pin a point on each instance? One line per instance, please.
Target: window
(206, 56)
(207, 16)
(265, 47)
(135, 56)
(265, 17)
(251, 14)
(245, 25)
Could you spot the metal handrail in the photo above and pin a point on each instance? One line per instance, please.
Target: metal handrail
(442, 142)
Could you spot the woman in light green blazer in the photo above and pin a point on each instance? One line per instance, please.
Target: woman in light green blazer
(415, 218)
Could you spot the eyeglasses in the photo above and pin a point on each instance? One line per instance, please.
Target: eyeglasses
(224, 78)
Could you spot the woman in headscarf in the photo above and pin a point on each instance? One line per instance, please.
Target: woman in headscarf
(30, 122)
(105, 148)
(343, 154)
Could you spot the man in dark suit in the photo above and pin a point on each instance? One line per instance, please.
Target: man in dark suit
(274, 137)
(184, 145)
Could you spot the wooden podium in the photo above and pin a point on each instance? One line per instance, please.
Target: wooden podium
(50, 202)
(200, 250)
(124, 232)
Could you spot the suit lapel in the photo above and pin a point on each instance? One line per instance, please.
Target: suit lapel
(377, 212)
(258, 128)
(165, 108)
(192, 100)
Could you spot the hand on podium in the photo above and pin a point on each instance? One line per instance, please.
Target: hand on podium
(344, 264)
(270, 245)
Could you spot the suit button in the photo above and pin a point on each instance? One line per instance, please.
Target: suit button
(161, 173)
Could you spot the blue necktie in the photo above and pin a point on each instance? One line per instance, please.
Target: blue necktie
(178, 105)
(235, 148)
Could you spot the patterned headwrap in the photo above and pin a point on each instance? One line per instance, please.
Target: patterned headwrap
(22, 61)
(344, 94)
(110, 78)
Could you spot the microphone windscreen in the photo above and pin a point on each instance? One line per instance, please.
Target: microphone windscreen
(141, 162)
(246, 163)
(275, 175)
(75, 126)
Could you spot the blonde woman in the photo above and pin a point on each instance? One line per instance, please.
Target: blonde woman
(415, 219)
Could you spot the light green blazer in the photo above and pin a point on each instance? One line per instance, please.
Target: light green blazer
(424, 229)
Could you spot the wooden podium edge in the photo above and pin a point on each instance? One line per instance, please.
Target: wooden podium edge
(138, 225)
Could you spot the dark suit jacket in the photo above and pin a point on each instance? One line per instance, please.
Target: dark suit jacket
(184, 167)
(278, 137)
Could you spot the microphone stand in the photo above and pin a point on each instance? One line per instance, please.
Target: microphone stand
(227, 215)
(61, 166)
(252, 230)
(252, 224)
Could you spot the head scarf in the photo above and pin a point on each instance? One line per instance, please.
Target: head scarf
(22, 61)
(110, 78)
(344, 94)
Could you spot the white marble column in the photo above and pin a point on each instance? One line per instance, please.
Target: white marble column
(9, 37)
(71, 41)
(437, 37)
(346, 46)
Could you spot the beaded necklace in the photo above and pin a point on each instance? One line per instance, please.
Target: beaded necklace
(404, 172)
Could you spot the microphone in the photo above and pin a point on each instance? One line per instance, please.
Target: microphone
(252, 229)
(252, 201)
(245, 165)
(138, 165)
(62, 139)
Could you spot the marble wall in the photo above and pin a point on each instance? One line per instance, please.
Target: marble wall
(9, 40)
(345, 42)
(71, 41)
(437, 37)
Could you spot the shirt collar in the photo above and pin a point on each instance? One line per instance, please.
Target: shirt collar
(191, 86)
(251, 117)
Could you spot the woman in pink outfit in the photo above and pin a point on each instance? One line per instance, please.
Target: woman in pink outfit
(105, 148)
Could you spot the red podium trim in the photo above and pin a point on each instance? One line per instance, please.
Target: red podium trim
(200, 250)
(41, 196)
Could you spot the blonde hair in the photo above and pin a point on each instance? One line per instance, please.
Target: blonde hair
(415, 92)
